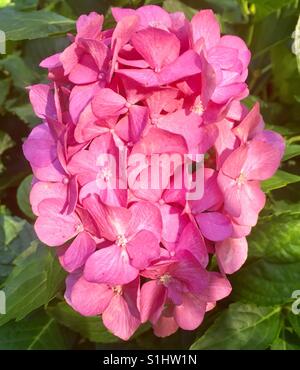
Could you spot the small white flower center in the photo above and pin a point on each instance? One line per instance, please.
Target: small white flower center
(121, 241)
(197, 108)
(241, 179)
(79, 228)
(165, 279)
(106, 174)
(118, 289)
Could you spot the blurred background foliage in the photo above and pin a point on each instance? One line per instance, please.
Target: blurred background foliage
(258, 313)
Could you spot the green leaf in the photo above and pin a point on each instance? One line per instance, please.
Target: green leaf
(4, 3)
(279, 180)
(33, 282)
(265, 7)
(266, 283)
(276, 239)
(37, 331)
(292, 150)
(294, 320)
(23, 196)
(5, 143)
(296, 45)
(15, 236)
(23, 111)
(286, 341)
(19, 25)
(242, 326)
(21, 74)
(89, 327)
(4, 89)
(26, 4)
(178, 6)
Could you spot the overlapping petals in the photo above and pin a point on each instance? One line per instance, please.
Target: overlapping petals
(119, 104)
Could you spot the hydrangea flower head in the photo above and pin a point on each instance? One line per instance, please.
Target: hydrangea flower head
(128, 114)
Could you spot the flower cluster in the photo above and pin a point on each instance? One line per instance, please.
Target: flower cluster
(154, 86)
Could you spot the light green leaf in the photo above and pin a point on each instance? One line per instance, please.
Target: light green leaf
(37, 331)
(266, 283)
(292, 150)
(89, 327)
(242, 326)
(178, 6)
(277, 239)
(23, 196)
(33, 282)
(265, 7)
(19, 25)
(279, 180)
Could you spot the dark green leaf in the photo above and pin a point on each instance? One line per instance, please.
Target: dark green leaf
(242, 326)
(295, 322)
(286, 341)
(266, 283)
(4, 89)
(22, 76)
(32, 25)
(89, 327)
(23, 196)
(24, 112)
(33, 282)
(37, 331)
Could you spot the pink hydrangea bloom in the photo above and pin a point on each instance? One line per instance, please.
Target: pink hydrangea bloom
(125, 113)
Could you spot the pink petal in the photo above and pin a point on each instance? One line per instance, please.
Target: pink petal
(110, 265)
(218, 287)
(205, 25)
(143, 248)
(153, 297)
(190, 314)
(192, 241)
(40, 148)
(121, 317)
(262, 161)
(187, 64)
(145, 216)
(90, 299)
(89, 26)
(153, 16)
(42, 100)
(214, 226)
(157, 47)
(46, 190)
(160, 141)
(231, 254)
(165, 326)
(106, 103)
(78, 252)
(54, 228)
(111, 221)
(85, 71)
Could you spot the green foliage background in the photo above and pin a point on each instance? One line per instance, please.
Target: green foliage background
(258, 313)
